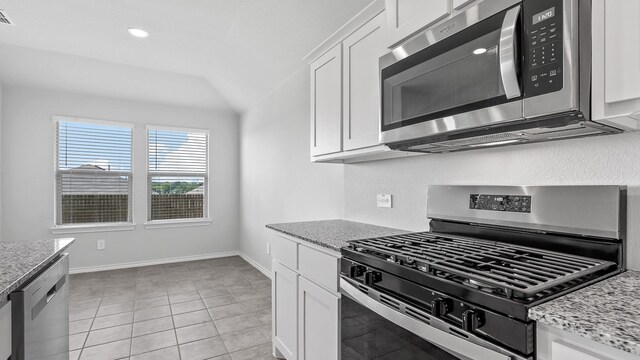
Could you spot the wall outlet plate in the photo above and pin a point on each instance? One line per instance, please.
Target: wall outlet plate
(383, 200)
(268, 248)
(101, 244)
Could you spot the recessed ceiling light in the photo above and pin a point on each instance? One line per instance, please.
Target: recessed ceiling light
(138, 32)
(479, 51)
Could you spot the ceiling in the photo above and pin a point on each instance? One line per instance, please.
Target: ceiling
(240, 49)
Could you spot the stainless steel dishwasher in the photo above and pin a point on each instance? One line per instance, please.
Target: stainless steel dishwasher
(40, 325)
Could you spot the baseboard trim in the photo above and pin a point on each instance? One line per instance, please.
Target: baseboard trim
(134, 264)
(255, 264)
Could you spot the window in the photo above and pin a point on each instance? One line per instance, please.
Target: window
(178, 173)
(93, 171)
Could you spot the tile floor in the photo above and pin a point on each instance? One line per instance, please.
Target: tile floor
(211, 309)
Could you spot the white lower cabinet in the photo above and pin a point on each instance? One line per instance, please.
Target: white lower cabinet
(318, 323)
(5, 331)
(285, 309)
(306, 303)
(562, 351)
(556, 344)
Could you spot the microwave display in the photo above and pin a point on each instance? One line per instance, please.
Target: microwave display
(545, 15)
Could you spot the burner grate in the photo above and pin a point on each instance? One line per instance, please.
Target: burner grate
(516, 270)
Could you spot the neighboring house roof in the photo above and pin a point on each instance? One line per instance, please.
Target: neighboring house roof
(198, 190)
(93, 180)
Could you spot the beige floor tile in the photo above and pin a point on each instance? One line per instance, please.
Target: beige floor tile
(112, 320)
(243, 339)
(103, 336)
(146, 343)
(152, 326)
(191, 318)
(196, 332)
(203, 349)
(152, 313)
(109, 351)
(170, 353)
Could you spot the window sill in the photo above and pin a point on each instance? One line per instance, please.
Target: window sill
(89, 228)
(164, 224)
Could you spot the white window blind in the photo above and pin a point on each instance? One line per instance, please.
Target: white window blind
(178, 174)
(93, 172)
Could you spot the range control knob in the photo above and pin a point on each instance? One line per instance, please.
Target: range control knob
(356, 270)
(441, 307)
(372, 277)
(472, 320)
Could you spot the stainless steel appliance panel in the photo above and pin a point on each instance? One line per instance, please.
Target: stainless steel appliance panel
(364, 318)
(472, 81)
(41, 315)
(585, 210)
(568, 98)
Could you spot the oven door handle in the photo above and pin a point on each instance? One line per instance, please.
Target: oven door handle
(508, 52)
(437, 337)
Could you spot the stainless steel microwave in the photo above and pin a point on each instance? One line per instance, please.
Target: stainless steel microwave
(500, 72)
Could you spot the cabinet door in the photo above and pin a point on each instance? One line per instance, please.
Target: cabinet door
(5, 331)
(361, 84)
(284, 291)
(326, 103)
(562, 351)
(616, 55)
(406, 17)
(319, 322)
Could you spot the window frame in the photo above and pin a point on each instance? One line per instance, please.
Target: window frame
(59, 228)
(180, 222)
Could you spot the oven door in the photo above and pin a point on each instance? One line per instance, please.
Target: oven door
(466, 76)
(377, 326)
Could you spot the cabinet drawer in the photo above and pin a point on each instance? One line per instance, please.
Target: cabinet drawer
(285, 251)
(5, 331)
(319, 267)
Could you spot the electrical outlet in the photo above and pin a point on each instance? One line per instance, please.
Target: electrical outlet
(268, 249)
(101, 244)
(383, 200)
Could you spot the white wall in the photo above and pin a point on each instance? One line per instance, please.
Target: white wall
(28, 180)
(613, 160)
(278, 181)
(1, 107)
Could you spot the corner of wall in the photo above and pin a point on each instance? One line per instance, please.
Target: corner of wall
(1, 122)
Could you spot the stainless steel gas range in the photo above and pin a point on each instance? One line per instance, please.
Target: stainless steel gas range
(463, 289)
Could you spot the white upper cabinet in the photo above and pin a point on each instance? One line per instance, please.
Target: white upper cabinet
(361, 84)
(459, 4)
(406, 17)
(616, 61)
(326, 103)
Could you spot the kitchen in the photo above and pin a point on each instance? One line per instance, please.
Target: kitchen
(259, 160)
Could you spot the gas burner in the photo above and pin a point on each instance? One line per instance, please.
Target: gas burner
(480, 285)
(486, 265)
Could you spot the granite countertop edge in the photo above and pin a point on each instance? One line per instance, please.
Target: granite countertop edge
(558, 322)
(4, 294)
(304, 238)
(612, 329)
(326, 239)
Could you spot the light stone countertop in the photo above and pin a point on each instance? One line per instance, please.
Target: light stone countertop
(20, 260)
(607, 312)
(333, 234)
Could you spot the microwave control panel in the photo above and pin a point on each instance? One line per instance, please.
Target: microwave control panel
(543, 46)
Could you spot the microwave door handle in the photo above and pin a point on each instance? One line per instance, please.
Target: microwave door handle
(508, 44)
